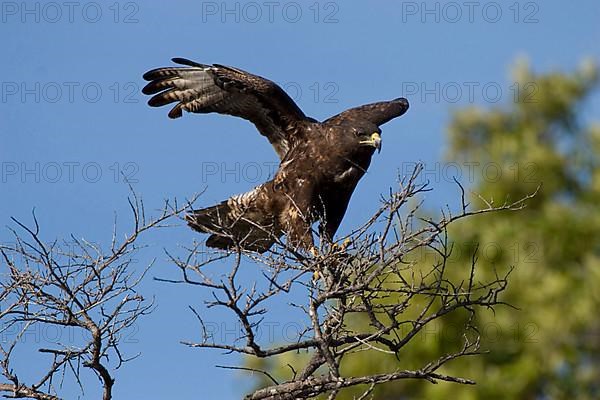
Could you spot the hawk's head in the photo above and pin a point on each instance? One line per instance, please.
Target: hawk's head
(367, 134)
(364, 122)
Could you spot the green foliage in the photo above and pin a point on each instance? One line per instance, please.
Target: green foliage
(550, 346)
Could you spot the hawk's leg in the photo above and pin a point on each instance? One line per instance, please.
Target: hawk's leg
(299, 233)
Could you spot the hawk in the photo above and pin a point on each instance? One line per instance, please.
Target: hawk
(320, 162)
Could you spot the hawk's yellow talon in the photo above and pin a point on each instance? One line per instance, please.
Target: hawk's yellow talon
(316, 276)
(342, 247)
(346, 244)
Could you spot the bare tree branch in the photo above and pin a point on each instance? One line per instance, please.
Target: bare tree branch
(72, 285)
(372, 272)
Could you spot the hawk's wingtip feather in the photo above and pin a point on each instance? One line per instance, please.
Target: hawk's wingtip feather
(185, 61)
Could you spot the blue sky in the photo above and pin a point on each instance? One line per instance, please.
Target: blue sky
(72, 115)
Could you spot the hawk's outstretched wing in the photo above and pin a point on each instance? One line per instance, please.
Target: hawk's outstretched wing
(378, 113)
(216, 88)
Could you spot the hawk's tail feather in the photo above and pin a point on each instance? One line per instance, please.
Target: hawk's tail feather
(230, 227)
(210, 219)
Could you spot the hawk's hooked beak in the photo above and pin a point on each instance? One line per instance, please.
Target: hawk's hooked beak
(374, 141)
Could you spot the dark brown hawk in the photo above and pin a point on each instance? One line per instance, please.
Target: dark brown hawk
(321, 162)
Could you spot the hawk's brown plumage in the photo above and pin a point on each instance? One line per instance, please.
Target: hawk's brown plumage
(321, 162)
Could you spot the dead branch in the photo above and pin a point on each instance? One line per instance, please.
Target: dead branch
(372, 273)
(72, 285)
